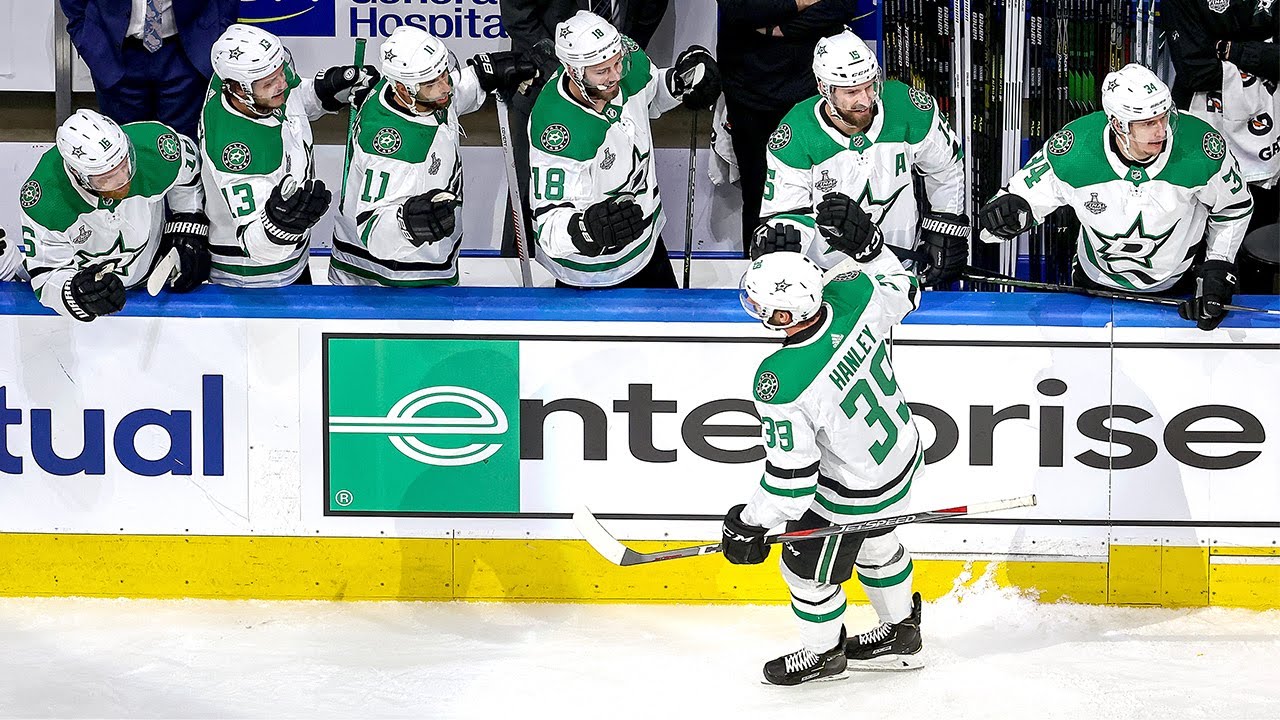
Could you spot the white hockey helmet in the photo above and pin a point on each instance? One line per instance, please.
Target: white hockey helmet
(584, 40)
(1132, 94)
(413, 56)
(844, 60)
(91, 146)
(245, 54)
(781, 281)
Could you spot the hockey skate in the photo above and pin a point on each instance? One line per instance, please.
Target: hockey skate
(804, 665)
(891, 646)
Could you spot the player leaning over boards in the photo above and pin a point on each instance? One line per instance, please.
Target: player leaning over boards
(840, 446)
(593, 185)
(93, 214)
(401, 221)
(851, 153)
(259, 175)
(1145, 181)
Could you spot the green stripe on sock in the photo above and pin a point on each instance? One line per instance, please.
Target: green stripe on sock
(889, 581)
(825, 617)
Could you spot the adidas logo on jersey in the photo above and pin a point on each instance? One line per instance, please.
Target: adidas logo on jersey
(836, 339)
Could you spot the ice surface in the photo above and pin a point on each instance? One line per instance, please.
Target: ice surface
(991, 654)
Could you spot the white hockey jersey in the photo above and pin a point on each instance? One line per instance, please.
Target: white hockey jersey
(1245, 112)
(65, 228)
(244, 158)
(397, 156)
(839, 437)
(579, 157)
(1140, 226)
(808, 158)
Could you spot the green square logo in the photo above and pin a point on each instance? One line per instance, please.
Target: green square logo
(421, 426)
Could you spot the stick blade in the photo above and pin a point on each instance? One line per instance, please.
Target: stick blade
(597, 537)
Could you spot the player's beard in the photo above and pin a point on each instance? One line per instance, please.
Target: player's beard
(426, 107)
(119, 193)
(858, 117)
(594, 93)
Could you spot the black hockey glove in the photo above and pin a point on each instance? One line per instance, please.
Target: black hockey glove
(287, 219)
(742, 544)
(94, 291)
(345, 85)
(779, 237)
(3, 245)
(502, 71)
(188, 233)
(1006, 216)
(429, 217)
(607, 226)
(1215, 284)
(848, 228)
(945, 239)
(695, 78)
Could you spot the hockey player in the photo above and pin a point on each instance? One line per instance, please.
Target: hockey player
(593, 186)
(10, 259)
(255, 137)
(1145, 181)
(840, 445)
(401, 220)
(853, 150)
(93, 214)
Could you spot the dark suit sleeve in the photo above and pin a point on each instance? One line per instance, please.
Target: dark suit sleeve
(523, 22)
(820, 20)
(757, 13)
(1191, 45)
(1259, 58)
(74, 10)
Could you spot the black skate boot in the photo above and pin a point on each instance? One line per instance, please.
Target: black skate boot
(889, 646)
(804, 665)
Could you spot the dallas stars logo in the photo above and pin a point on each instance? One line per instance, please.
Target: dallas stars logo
(555, 138)
(30, 194)
(386, 141)
(877, 209)
(1134, 245)
(235, 53)
(1111, 86)
(77, 152)
(120, 256)
(168, 146)
(637, 182)
(389, 55)
(236, 156)
(781, 286)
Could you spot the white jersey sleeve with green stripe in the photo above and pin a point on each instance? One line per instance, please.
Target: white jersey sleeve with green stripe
(244, 159)
(839, 437)
(579, 157)
(1141, 226)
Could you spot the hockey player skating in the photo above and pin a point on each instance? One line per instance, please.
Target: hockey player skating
(852, 152)
(593, 186)
(93, 214)
(256, 144)
(1154, 189)
(840, 446)
(401, 220)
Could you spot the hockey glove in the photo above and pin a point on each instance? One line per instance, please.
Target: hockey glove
(945, 239)
(2, 242)
(1006, 216)
(695, 78)
(1215, 284)
(742, 544)
(188, 233)
(429, 217)
(502, 71)
(287, 219)
(94, 291)
(779, 237)
(848, 228)
(607, 226)
(345, 85)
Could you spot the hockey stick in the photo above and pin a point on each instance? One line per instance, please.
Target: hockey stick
(513, 193)
(982, 276)
(688, 211)
(618, 554)
(351, 120)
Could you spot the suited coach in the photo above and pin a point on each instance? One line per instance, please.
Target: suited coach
(149, 58)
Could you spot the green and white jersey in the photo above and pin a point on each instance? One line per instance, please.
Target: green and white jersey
(244, 159)
(65, 227)
(839, 437)
(1140, 226)
(579, 157)
(396, 157)
(808, 158)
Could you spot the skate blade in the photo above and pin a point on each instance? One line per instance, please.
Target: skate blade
(815, 681)
(887, 663)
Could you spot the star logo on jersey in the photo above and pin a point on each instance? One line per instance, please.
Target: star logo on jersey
(236, 156)
(921, 100)
(1134, 245)
(637, 182)
(235, 53)
(30, 194)
(118, 255)
(766, 386)
(869, 202)
(780, 137)
(555, 138)
(1061, 142)
(386, 141)
(1094, 205)
(826, 183)
(167, 145)
(1214, 146)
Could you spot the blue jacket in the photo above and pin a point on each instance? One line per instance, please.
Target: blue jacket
(98, 27)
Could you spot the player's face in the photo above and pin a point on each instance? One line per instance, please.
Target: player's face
(436, 94)
(604, 81)
(268, 93)
(1147, 137)
(114, 183)
(857, 103)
